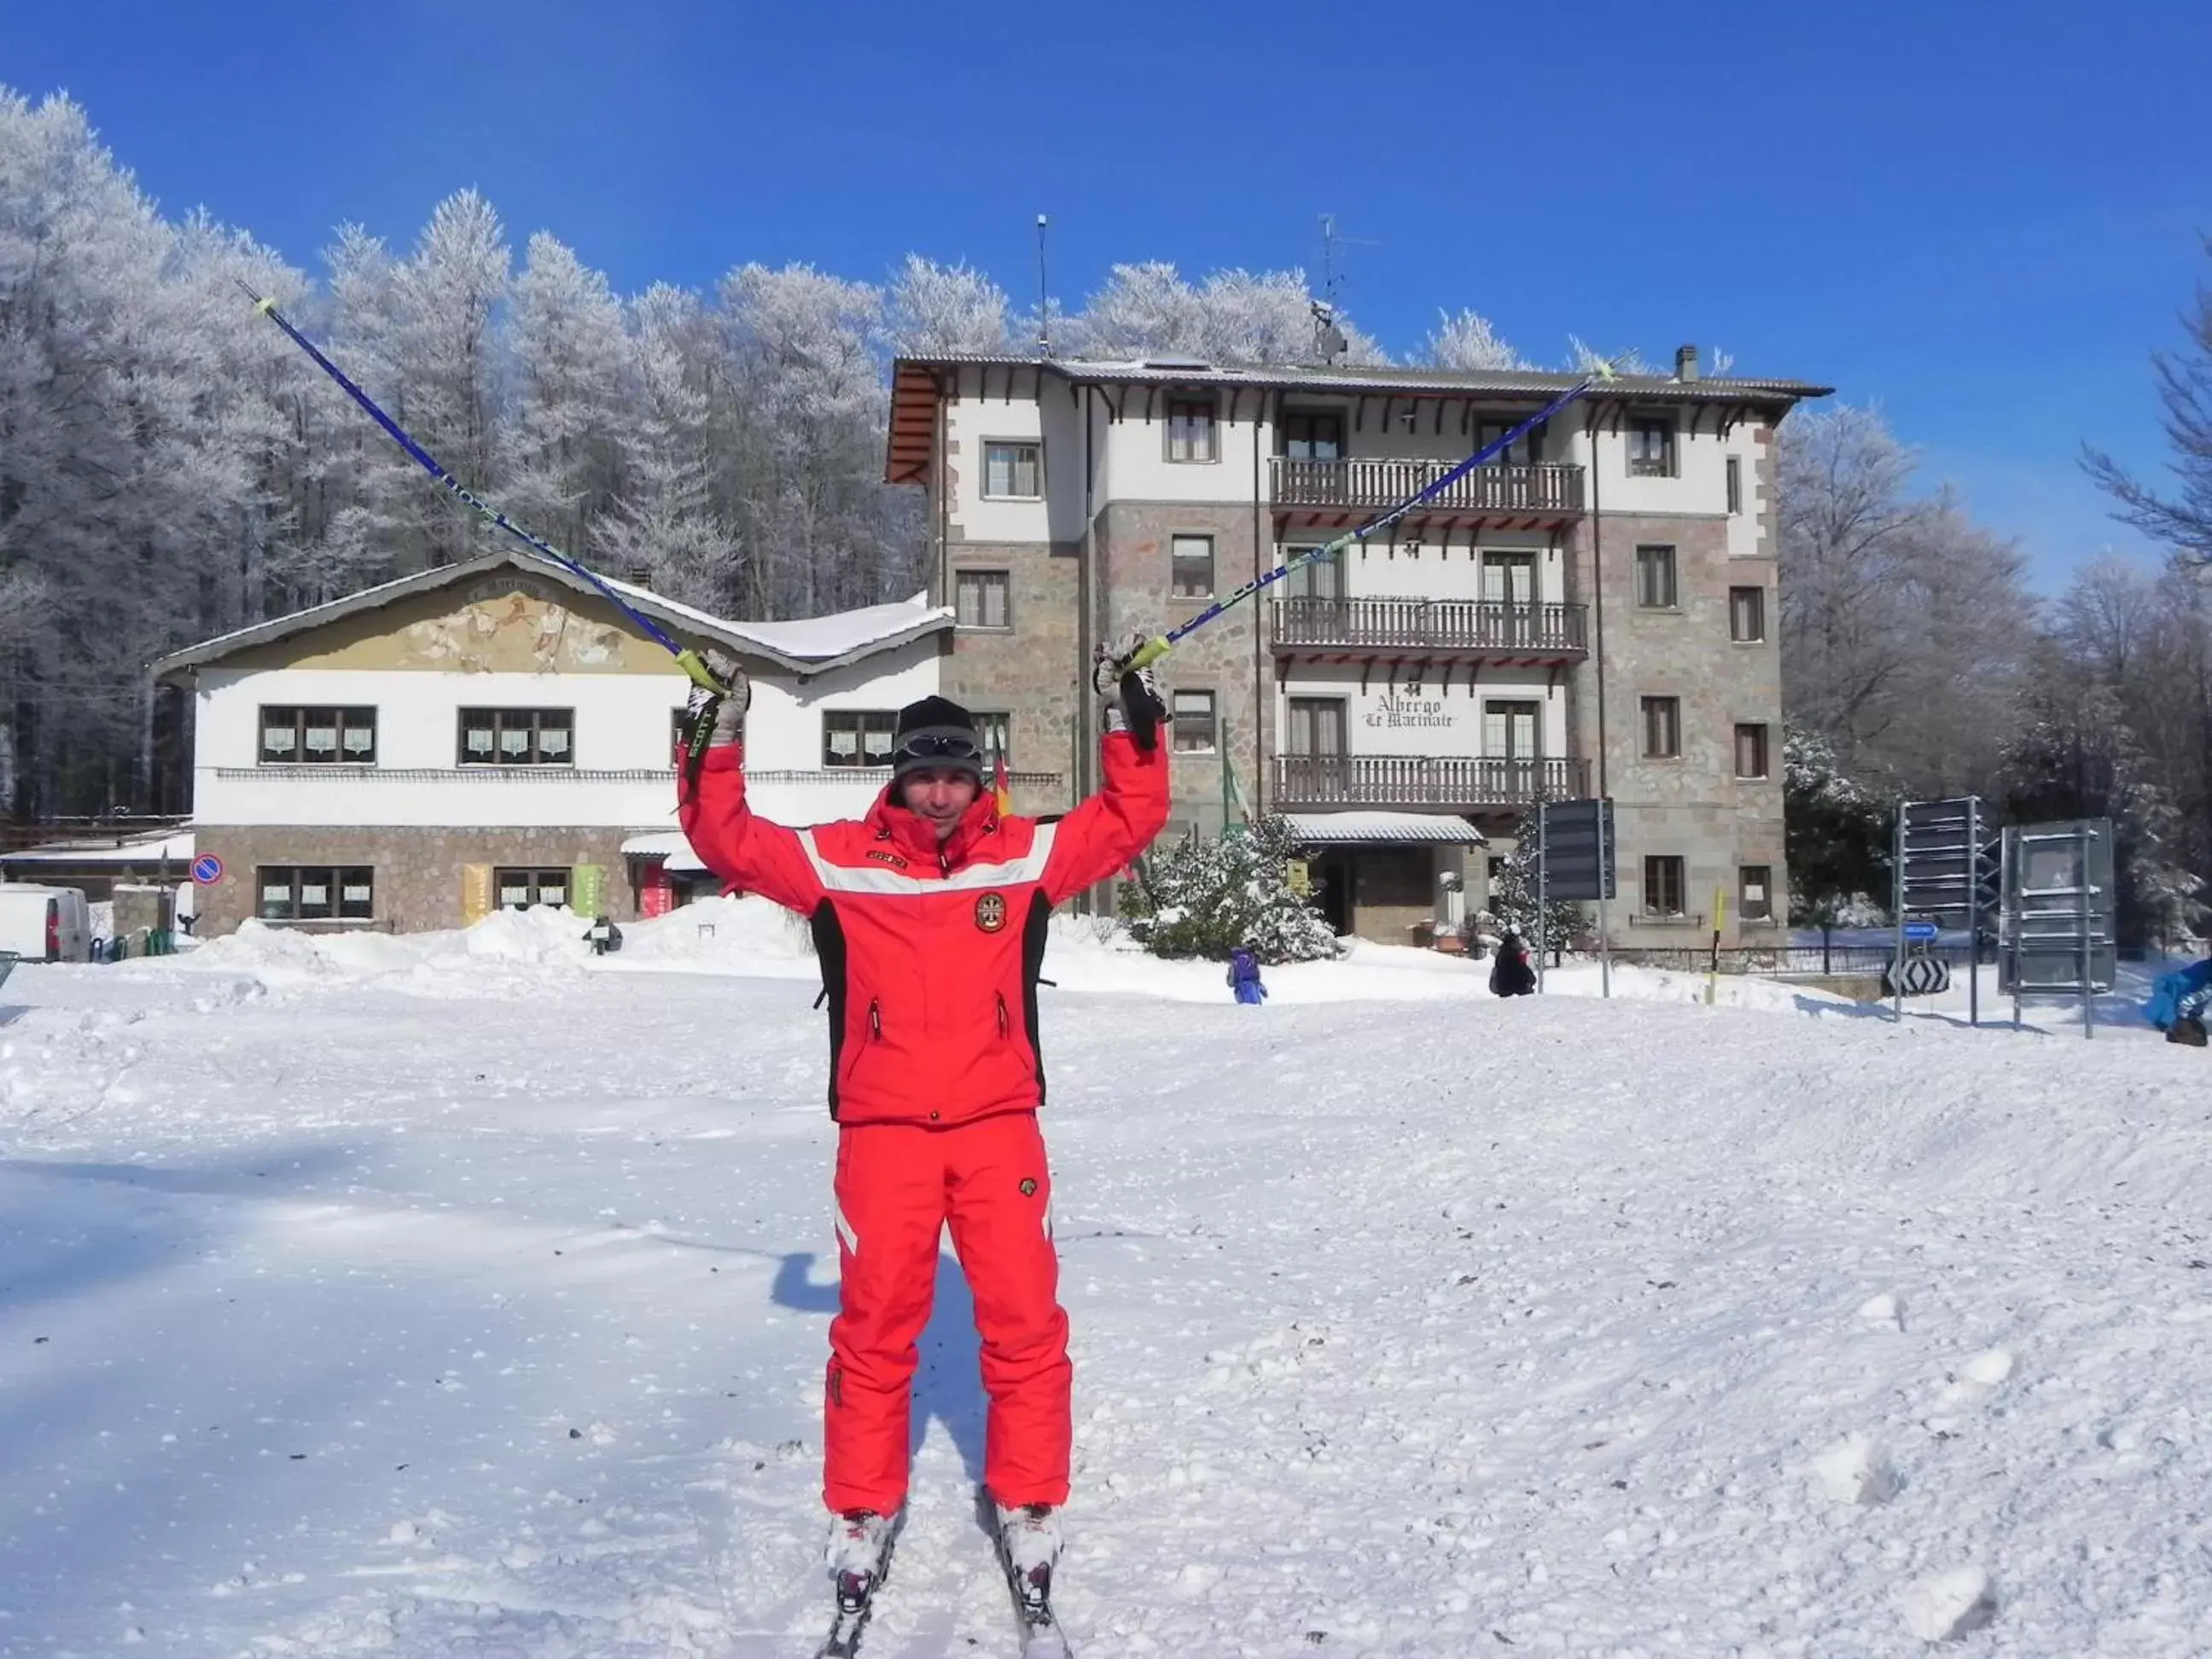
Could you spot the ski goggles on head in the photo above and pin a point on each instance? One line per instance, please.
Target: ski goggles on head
(926, 745)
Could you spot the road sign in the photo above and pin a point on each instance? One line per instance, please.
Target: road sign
(207, 870)
(1946, 876)
(2059, 895)
(1916, 976)
(1920, 933)
(1575, 847)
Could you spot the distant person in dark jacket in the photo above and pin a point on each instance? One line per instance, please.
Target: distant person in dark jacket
(1244, 975)
(1511, 975)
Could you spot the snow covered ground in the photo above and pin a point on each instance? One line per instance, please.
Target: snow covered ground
(462, 1297)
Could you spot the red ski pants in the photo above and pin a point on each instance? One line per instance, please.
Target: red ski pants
(898, 1185)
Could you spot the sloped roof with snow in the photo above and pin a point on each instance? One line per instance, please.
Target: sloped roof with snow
(1338, 828)
(807, 647)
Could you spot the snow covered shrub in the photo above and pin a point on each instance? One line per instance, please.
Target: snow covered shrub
(1203, 898)
(1513, 898)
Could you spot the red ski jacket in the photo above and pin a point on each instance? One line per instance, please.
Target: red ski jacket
(929, 954)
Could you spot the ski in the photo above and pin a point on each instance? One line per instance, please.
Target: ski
(856, 1602)
(1042, 1635)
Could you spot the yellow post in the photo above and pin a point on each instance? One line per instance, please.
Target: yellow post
(1713, 968)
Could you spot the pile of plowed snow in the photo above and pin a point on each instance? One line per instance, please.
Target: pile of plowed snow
(753, 938)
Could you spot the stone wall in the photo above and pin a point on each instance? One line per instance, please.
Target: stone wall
(1032, 670)
(1135, 591)
(1693, 806)
(419, 870)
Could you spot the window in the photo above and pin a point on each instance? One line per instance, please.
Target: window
(1509, 578)
(1522, 451)
(996, 733)
(1013, 470)
(315, 893)
(1191, 565)
(1311, 437)
(1747, 614)
(518, 889)
(1754, 890)
(1191, 433)
(1735, 486)
(1662, 727)
(518, 737)
(1316, 727)
(1655, 578)
(1316, 579)
(1651, 449)
(1509, 731)
(327, 736)
(856, 737)
(1662, 886)
(1193, 722)
(979, 598)
(1751, 752)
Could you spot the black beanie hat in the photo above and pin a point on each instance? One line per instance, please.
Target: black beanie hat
(936, 717)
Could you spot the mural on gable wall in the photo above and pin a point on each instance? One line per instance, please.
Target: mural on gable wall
(504, 624)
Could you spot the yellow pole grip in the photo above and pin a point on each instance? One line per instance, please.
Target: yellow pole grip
(1147, 653)
(702, 675)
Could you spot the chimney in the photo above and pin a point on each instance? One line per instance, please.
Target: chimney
(1685, 362)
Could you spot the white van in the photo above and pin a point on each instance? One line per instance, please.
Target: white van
(44, 924)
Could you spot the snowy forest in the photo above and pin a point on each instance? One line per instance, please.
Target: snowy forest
(172, 467)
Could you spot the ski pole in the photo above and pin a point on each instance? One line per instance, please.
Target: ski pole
(689, 660)
(1153, 649)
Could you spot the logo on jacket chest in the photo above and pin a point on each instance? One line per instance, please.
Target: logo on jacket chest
(882, 857)
(991, 911)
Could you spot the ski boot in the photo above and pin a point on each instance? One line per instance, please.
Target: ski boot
(860, 1559)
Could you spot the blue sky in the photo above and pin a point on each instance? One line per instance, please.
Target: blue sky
(1981, 217)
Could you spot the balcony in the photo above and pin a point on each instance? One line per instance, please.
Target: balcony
(1528, 496)
(1457, 783)
(1466, 628)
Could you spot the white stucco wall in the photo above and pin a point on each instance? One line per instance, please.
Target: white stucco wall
(622, 725)
(1431, 572)
(1387, 720)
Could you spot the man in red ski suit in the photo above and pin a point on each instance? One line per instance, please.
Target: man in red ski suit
(929, 919)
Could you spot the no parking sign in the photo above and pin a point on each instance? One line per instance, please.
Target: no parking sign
(207, 870)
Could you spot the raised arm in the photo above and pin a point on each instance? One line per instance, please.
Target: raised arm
(736, 843)
(1103, 833)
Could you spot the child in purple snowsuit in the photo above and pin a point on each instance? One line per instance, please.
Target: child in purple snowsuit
(1244, 975)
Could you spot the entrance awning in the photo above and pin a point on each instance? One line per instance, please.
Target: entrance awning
(1379, 829)
(670, 848)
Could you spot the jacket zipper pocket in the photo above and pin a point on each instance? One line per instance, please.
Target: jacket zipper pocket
(1006, 1026)
(875, 1021)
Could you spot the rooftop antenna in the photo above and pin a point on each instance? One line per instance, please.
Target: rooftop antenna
(1329, 341)
(1044, 296)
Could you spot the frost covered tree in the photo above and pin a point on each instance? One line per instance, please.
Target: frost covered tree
(2078, 758)
(1465, 340)
(931, 308)
(2182, 519)
(1206, 896)
(1904, 627)
(666, 525)
(1513, 894)
(1838, 837)
(568, 434)
(1233, 317)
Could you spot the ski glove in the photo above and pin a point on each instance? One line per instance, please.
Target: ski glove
(714, 718)
(1132, 699)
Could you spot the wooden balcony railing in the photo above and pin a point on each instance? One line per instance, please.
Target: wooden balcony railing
(1374, 484)
(1460, 783)
(1470, 625)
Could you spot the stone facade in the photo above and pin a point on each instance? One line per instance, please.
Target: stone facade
(1033, 670)
(1693, 806)
(1135, 541)
(420, 871)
